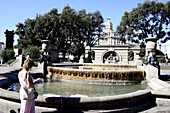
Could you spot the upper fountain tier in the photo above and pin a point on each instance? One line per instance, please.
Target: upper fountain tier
(108, 36)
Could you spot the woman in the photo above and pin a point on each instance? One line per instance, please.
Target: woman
(26, 80)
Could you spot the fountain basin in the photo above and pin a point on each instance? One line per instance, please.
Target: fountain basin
(130, 102)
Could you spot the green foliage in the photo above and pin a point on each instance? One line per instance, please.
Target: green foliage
(15, 46)
(33, 52)
(77, 50)
(7, 54)
(68, 28)
(150, 19)
(11, 61)
(161, 60)
(131, 45)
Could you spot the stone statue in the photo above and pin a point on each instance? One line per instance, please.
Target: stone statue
(111, 59)
(147, 58)
(153, 60)
(131, 56)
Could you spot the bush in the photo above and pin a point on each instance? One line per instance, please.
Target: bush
(7, 54)
(161, 60)
(15, 46)
(33, 51)
(11, 61)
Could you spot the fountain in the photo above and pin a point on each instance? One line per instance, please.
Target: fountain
(109, 76)
(129, 102)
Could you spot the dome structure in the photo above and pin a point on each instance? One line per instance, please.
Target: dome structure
(108, 26)
(108, 36)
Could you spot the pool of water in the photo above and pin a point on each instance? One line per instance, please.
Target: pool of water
(68, 88)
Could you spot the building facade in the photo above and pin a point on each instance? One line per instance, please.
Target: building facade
(165, 48)
(1, 46)
(110, 49)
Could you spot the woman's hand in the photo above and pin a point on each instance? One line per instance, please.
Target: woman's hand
(37, 82)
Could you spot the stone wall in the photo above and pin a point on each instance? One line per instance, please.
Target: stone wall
(152, 76)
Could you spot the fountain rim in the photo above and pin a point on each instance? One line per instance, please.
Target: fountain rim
(69, 69)
(104, 65)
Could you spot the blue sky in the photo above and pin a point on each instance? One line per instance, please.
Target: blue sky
(14, 11)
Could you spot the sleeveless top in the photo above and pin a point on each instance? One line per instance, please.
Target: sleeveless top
(22, 80)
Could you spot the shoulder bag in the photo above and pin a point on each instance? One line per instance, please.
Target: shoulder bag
(28, 93)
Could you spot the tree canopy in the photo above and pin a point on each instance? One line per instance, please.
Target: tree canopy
(69, 29)
(150, 19)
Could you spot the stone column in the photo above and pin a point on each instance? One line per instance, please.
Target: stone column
(116, 41)
(9, 39)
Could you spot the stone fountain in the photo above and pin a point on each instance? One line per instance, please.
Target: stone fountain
(107, 76)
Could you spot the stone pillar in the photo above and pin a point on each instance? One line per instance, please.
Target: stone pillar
(137, 58)
(9, 39)
(115, 41)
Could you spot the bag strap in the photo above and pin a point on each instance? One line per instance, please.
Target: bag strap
(26, 75)
(32, 81)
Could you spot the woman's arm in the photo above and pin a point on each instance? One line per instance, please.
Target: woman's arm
(30, 81)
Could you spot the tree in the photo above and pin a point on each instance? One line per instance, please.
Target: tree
(77, 28)
(68, 29)
(20, 31)
(148, 19)
(67, 21)
(33, 52)
(35, 30)
(93, 28)
(7, 54)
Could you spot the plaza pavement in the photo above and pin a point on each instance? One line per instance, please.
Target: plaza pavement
(163, 104)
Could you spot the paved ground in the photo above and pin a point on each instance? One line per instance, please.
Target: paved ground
(5, 69)
(163, 105)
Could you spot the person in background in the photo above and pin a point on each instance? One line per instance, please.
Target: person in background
(28, 56)
(166, 59)
(26, 80)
